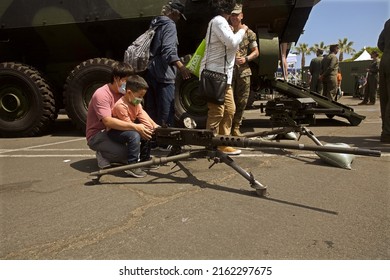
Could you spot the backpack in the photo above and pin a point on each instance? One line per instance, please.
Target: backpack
(138, 53)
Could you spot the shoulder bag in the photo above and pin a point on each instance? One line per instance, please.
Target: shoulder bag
(213, 84)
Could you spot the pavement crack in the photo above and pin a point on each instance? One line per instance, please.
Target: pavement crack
(51, 249)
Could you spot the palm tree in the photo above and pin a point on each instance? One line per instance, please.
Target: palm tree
(345, 47)
(321, 45)
(302, 49)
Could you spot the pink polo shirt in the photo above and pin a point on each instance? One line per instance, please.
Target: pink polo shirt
(100, 106)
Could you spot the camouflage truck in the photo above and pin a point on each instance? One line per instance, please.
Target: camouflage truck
(55, 53)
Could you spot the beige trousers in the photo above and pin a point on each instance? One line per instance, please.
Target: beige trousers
(220, 116)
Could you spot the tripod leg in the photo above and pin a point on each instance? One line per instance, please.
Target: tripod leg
(311, 135)
(261, 190)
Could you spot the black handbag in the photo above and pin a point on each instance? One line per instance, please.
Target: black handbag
(213, 84)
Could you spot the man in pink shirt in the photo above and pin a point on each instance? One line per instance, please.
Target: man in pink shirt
(99, 119)
(129, 108)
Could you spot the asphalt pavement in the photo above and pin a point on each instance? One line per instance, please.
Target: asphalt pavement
(50, 208)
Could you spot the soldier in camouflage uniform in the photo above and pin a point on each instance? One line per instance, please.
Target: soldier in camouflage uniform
(372, 81)
(242, 72)
(329, 69)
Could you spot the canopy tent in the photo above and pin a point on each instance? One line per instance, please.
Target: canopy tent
(364, 56)
(291, 60)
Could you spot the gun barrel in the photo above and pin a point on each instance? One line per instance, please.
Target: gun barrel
(222, 140)
(206, 138)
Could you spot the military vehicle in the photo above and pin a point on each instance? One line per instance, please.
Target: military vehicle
(55, 53)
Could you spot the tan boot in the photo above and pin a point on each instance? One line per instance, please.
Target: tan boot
(236, 131)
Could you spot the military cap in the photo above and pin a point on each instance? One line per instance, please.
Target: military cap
(237, 9)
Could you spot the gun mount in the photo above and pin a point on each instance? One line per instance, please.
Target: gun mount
(293, 91)
(179, 137)
(285, 112)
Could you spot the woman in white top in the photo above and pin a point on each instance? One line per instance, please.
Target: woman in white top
(221, 48)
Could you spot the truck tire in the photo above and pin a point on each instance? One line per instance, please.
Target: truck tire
(27, 106)
(188, 103)
(80, 85)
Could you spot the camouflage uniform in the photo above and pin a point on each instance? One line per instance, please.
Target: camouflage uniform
(372, 82)
(242, 77)
(329, 68)
(315, 70)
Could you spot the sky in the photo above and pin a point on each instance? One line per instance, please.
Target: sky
(360, 21)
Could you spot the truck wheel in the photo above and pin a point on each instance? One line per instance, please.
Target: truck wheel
(27, 106)
(188, 103)
(80, 85)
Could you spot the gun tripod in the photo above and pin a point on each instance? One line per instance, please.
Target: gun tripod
(213, 155)
(180, 137)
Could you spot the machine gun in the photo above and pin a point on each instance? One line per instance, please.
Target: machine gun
(179, 137)
(291, 115)
(286, 112)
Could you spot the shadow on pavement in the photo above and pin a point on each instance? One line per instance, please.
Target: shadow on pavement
(85, 165)
(192, 180)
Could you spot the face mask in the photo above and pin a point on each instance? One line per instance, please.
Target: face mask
(122, 88)
(136, 101)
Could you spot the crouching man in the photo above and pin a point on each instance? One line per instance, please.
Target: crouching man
(100, 119)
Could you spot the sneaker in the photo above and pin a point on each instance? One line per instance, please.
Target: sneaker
(102, 162)
(371, 103)
(362, 103)
(151, 167)
(136, 172)
(229, 150)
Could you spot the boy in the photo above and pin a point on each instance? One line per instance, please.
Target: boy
(128, 108)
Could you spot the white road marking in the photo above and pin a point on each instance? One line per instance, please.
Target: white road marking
(43, 145)
(44, 150)
(42, 156)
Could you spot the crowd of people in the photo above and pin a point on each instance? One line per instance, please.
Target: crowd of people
(326, 78)
(120, 130)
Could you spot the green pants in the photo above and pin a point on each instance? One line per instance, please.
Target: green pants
(241, 90)
(330, 87)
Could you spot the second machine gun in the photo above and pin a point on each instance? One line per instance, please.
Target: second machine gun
(180, 137)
